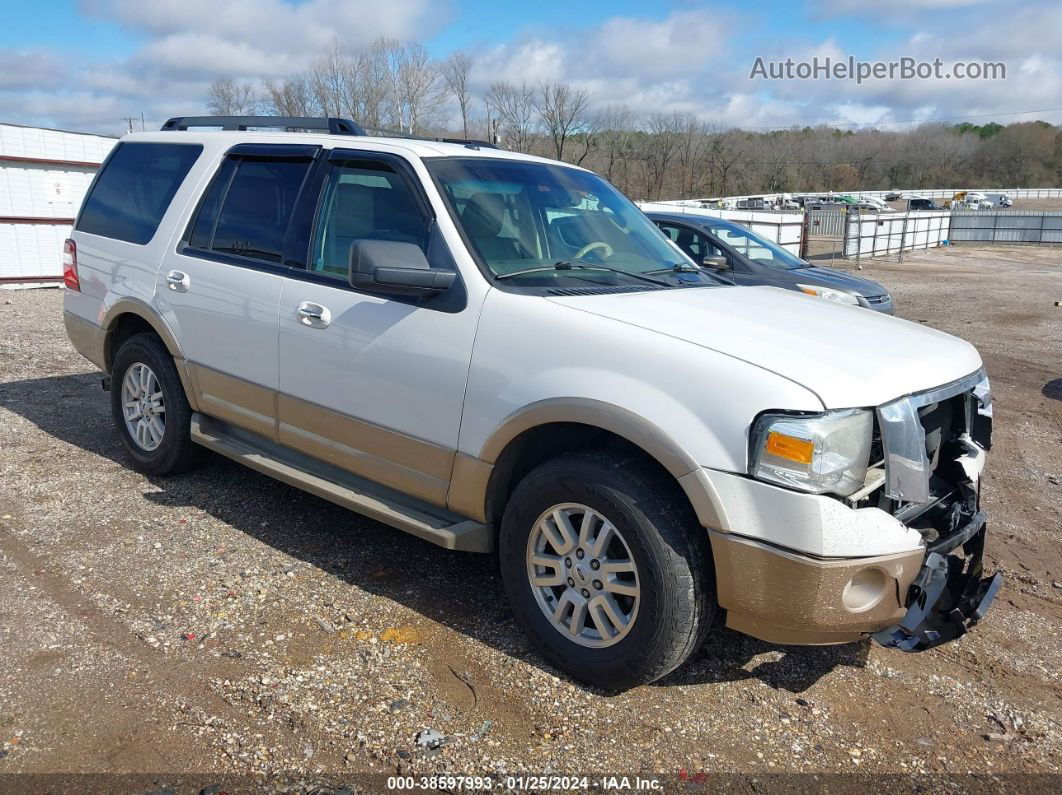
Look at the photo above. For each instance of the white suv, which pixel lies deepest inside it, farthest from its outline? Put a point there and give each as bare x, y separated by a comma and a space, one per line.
496, 351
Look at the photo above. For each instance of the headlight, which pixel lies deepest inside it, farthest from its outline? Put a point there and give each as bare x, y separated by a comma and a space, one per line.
829, 294
820, 453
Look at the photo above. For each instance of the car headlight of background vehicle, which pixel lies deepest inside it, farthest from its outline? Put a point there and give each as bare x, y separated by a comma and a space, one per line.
829, 294
817, 453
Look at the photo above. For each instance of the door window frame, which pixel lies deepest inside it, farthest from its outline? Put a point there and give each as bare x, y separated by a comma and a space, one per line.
305, 220
302, 223
310, 152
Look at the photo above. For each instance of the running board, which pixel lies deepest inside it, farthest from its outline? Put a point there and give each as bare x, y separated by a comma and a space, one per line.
370, 499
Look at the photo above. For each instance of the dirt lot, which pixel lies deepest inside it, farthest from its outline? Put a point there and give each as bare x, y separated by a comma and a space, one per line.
222, 624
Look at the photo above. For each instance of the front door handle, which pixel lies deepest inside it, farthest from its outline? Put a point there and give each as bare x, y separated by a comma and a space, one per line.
314, 315
178, 281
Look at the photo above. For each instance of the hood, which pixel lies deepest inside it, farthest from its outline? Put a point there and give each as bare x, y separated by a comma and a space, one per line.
825, 277
847, 356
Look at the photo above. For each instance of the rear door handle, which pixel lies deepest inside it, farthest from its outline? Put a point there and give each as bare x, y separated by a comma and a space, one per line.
178, 281
314, 315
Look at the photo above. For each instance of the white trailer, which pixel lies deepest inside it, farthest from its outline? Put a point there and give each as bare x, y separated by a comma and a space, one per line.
44, 175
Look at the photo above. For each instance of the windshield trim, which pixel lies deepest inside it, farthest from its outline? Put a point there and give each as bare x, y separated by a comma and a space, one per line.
509, 285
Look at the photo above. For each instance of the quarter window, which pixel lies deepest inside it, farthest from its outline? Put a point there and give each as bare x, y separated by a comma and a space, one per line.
134, 189
363, 201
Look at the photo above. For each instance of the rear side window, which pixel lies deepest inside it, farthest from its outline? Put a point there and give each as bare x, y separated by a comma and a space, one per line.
247, 207
134, 189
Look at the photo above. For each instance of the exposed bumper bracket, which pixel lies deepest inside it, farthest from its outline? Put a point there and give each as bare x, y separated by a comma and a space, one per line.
949, 595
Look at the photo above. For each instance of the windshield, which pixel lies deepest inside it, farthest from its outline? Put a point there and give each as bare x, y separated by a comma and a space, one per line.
756, 248
538, 224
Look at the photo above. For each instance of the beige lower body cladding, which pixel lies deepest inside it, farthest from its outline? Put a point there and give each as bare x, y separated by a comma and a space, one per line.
783, 597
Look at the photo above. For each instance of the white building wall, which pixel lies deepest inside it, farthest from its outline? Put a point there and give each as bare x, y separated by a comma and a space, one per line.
44, 175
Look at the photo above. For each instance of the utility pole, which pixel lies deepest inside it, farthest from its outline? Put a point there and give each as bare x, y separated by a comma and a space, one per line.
129, 122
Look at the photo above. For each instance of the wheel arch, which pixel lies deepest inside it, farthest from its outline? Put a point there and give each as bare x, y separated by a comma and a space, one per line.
130, 316
482, 484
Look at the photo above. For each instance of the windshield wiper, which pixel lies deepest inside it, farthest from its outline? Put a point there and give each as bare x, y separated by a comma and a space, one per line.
567, 265
677, 267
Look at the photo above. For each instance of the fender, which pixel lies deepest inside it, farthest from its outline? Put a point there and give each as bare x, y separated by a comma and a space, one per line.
144, 311
471, 475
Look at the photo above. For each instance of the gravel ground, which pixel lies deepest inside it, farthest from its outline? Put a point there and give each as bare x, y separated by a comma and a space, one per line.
221, 624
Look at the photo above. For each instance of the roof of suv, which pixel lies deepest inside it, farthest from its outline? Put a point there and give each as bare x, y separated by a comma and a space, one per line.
411, 146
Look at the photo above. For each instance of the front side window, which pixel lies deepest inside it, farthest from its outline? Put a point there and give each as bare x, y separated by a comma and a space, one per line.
538, 224
247, 207
693, 244
756, 248
134, 190
363, 201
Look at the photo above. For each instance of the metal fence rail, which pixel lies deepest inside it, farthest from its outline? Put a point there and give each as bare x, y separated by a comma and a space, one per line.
826, 223
1005, 226
879, 234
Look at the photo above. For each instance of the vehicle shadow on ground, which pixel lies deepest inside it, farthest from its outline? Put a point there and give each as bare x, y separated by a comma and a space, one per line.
373, 557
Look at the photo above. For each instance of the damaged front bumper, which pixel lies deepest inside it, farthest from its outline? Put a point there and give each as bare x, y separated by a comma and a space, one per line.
949, 595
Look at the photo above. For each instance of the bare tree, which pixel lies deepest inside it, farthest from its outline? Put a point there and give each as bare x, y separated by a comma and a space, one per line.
562, 111
514, 107
328, 82
369, 85
226, 97
658, 149
420, 87
617, 144
292, 97
456, 70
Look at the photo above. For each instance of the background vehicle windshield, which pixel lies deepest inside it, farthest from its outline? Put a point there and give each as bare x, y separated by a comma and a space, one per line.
521, 216
756, 248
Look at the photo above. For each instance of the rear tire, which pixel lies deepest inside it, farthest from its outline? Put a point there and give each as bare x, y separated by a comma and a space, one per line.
150, 408
659, 582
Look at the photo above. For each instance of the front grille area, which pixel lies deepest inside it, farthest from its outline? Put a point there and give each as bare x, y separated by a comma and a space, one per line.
925, 439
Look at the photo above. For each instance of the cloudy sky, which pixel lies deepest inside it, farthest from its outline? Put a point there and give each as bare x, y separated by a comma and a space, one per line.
86, 64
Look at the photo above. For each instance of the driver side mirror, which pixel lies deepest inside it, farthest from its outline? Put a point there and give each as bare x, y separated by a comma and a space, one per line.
394, 268
718, 263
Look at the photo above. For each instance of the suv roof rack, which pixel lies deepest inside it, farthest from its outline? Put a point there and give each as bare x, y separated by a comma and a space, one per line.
332, 126
380, 132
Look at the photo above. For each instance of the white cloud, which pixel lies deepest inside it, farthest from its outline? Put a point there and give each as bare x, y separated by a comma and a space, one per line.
679, 62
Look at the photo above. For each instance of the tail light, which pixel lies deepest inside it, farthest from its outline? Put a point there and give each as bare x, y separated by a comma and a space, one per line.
70, 265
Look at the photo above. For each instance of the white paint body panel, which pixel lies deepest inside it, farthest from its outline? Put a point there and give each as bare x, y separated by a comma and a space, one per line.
531, 348
379, 361
847, 358
811, 523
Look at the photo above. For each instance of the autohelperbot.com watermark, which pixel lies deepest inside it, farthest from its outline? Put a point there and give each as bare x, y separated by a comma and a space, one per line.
905, 68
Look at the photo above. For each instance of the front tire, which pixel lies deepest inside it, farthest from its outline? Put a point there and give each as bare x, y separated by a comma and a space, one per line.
607, 568
150, 409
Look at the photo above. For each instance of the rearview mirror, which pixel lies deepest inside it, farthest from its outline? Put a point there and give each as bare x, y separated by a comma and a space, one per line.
716, 263
395, 268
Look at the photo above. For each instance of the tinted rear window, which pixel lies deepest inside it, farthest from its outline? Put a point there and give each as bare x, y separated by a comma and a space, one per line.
131, 194
257, 207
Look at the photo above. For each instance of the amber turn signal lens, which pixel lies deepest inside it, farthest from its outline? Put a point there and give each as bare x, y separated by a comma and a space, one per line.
790, 447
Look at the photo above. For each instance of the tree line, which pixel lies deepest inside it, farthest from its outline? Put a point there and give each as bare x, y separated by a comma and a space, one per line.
399, 87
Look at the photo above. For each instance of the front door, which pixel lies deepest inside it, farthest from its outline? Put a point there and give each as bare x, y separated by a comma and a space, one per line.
372, 383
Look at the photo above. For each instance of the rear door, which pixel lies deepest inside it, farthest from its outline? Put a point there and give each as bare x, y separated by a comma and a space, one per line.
373, 383
220, 289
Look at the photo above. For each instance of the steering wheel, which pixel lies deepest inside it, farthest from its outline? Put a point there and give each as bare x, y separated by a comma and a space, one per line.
606, 250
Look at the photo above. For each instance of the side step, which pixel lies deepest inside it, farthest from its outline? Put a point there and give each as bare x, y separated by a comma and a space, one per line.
414, 516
